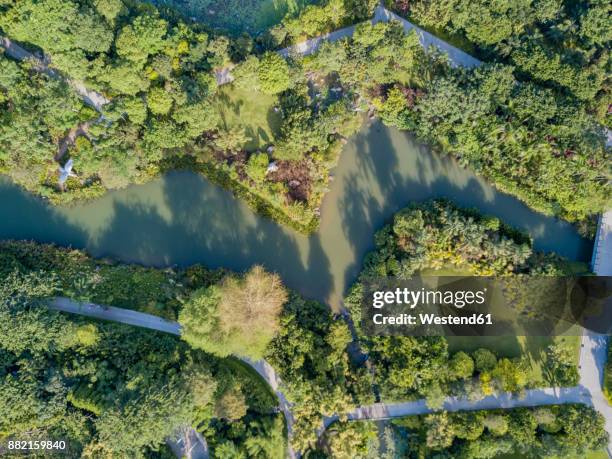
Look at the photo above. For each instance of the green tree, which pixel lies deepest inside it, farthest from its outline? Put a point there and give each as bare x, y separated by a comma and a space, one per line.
232, 140
440, 431
159, 101
142, 38
273, 74
484, 360
238, 317
110, 9
231, 404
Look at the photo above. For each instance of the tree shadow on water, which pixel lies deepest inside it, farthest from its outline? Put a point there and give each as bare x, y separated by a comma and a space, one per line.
210, 226
27, 217
390, 170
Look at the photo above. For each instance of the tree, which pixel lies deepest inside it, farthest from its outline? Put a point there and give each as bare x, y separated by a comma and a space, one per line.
484, 360
159, 101
197, 118
246, 74
199, 319
249, 309
231, 405
142, 38
497, 424
468, 426
110, 9
273, 74
461, 366
143, 422
232, 140
348, 440
440, 433
239, 317
511, 375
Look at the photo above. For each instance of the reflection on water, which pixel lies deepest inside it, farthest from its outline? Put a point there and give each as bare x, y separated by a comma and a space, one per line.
183, 219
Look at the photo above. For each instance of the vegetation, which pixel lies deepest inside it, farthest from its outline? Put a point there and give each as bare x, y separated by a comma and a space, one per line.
563, 45
166, 110
238, 317
108, 390
310, 355
308, 347
544, 356
607, 379
236, 17
541, 432
531, 141
436, 235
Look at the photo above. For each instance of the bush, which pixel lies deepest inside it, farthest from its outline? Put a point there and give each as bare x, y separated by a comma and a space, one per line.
273, 74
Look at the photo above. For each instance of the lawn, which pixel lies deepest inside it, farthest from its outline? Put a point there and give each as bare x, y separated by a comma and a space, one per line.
533, 347
237, 16
250, 109
607, 382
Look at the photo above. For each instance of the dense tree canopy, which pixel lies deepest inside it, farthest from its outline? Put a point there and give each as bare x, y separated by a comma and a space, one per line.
526, 432
531, 128
565, 45
239, 316
438, 235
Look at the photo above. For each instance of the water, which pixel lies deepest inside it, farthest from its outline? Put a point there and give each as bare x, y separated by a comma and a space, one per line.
183, 219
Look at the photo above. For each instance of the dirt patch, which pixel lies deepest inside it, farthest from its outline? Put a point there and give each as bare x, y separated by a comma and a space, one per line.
296, 176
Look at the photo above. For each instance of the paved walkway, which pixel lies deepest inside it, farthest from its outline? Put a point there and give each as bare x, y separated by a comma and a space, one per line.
188, 443
152, 322
601, 263
91, 98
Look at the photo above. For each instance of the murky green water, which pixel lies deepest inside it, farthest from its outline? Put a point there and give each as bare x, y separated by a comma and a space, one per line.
183, 219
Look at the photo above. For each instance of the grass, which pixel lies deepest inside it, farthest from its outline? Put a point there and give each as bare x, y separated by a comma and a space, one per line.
607, 381
249, 109
532, 347
237, 16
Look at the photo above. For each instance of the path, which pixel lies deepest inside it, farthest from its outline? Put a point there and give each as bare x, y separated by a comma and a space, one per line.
534, 397
601, 263
188, 443
91, 98
152, 322
589, 392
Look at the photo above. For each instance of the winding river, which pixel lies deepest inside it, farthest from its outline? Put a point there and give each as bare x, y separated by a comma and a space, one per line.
183, 219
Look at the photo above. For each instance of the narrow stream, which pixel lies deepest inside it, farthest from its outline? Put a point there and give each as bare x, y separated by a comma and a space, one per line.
183, 219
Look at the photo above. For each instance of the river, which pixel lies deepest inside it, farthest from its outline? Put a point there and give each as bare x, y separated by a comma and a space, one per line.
183, 219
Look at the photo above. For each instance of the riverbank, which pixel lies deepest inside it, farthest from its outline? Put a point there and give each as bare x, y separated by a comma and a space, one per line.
182, 219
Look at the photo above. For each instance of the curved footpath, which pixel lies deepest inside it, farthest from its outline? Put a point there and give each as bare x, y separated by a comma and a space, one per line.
594, 346
92, 98
591, 368
188, 442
